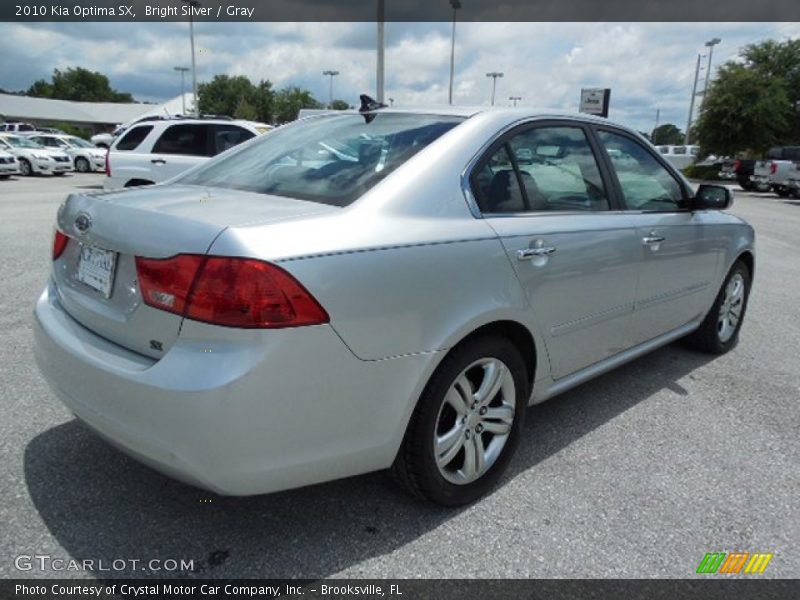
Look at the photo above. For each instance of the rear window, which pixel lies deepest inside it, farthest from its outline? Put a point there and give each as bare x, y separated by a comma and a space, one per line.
132, 139
333, 159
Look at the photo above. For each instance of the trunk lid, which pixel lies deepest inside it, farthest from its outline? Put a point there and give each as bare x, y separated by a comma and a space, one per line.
96, 274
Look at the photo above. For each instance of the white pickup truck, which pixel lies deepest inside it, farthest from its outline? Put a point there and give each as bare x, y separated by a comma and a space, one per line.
780, 171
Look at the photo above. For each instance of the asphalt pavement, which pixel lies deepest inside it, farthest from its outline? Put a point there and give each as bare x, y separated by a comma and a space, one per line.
638, 473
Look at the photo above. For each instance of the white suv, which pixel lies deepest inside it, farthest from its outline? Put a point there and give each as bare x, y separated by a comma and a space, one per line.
155, 151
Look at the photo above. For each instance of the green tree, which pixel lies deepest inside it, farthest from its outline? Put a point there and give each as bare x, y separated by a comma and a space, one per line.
668, 135
753, 103
78, 84
339, 105
289, 101
236, 96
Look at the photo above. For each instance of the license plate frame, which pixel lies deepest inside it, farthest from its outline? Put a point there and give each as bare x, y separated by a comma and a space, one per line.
97, 268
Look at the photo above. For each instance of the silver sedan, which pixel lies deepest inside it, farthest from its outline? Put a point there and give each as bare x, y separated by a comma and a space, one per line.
380, 289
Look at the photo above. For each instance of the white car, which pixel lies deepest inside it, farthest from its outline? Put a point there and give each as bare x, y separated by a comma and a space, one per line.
155, 151
34, 158
85, 156
17, 127
680, 156
104, 140
8, 165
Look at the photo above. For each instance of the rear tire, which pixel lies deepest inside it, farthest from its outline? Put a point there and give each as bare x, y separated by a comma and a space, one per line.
719, 331
783, 192
81, 165
466, 424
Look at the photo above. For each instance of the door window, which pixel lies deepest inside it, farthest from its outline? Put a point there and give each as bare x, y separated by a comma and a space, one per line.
189, 140
134, 137
646, 184
541, 169
228, 136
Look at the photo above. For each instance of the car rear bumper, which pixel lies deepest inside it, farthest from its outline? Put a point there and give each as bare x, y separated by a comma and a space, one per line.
237, 412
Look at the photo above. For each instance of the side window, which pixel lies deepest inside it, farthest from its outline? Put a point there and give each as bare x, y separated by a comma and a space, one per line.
134, 137
228, 136
190, 140
26, 127
646, 184
555, 167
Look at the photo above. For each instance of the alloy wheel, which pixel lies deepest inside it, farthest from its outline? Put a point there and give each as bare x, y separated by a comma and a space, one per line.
730, 311
474, 421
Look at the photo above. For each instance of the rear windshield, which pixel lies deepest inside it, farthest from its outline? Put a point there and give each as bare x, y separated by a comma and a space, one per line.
333, 159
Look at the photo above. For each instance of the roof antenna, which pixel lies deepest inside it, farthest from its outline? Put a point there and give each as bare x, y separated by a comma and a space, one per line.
368, 105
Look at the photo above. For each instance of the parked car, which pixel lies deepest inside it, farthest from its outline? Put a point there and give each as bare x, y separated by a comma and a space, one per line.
680, 156
105, 139
777, 169
17, 128
155, 151
8, 164
260, 323
85, 156
741, 170
33, 158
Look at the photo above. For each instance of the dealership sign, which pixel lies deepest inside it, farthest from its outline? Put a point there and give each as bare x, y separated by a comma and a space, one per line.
594, 101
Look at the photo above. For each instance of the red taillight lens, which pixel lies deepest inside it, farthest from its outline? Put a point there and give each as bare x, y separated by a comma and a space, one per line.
737, 164
59, 243
235, 292
108, 164
773, 168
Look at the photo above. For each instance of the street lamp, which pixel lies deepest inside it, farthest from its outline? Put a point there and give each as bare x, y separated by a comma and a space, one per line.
687, 135
456, 5
331, 74
514, 99
193, 4
710, 45
381, 34
183, 95
494, 75
391, 101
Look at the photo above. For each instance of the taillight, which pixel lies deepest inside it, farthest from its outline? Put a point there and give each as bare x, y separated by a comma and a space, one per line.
108, 163
235, 292
59, 243
773, 168
737, 164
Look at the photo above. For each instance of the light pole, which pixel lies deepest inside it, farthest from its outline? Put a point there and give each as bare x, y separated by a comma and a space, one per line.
456, 5
391, 101
687, 135
655, 127
331, 74
183, 95
494, 75
379, 74
514, 99
710, 45
193, 4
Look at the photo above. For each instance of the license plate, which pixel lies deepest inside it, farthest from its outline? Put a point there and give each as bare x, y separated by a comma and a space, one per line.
96, 268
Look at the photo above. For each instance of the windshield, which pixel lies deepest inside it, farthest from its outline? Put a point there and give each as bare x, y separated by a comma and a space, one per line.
79, 143
332, 159
19, 142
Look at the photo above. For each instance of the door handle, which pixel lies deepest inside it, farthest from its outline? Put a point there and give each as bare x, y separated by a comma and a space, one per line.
158, 161
529, 253
652, 239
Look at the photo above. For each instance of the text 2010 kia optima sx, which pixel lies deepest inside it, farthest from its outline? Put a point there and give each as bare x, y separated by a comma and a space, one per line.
377, 289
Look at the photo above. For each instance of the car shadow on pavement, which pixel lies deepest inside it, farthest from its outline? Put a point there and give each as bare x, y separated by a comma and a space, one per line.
101, 505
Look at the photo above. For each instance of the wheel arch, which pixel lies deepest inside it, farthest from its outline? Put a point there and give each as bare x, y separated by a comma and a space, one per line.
750, 262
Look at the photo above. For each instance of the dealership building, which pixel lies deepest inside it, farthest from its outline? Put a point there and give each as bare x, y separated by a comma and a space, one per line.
92, 117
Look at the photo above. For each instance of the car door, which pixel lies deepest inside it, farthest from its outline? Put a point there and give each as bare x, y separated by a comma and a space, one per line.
576, 257
679, 248
181, 147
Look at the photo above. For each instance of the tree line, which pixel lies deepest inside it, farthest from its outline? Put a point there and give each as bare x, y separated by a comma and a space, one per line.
234, 96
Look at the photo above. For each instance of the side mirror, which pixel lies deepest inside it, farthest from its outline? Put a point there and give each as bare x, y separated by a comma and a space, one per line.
712, 197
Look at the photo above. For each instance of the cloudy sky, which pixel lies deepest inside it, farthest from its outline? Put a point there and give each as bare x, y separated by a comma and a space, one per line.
647, 65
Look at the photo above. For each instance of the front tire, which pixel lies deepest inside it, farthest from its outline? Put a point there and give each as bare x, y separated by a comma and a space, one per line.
466, 425
82, 165
25, 167
719, 332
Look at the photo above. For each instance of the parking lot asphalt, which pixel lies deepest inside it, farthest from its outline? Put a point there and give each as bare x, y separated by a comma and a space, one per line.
638, 473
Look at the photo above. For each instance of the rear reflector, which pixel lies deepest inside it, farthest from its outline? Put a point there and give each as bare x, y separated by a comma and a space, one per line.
108, 163
59, 243
773, 168
235, 292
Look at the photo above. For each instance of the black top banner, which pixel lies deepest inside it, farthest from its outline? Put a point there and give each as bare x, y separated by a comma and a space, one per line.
400, 10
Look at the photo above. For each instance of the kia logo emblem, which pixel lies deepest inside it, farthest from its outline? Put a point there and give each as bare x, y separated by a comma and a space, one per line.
83, 222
